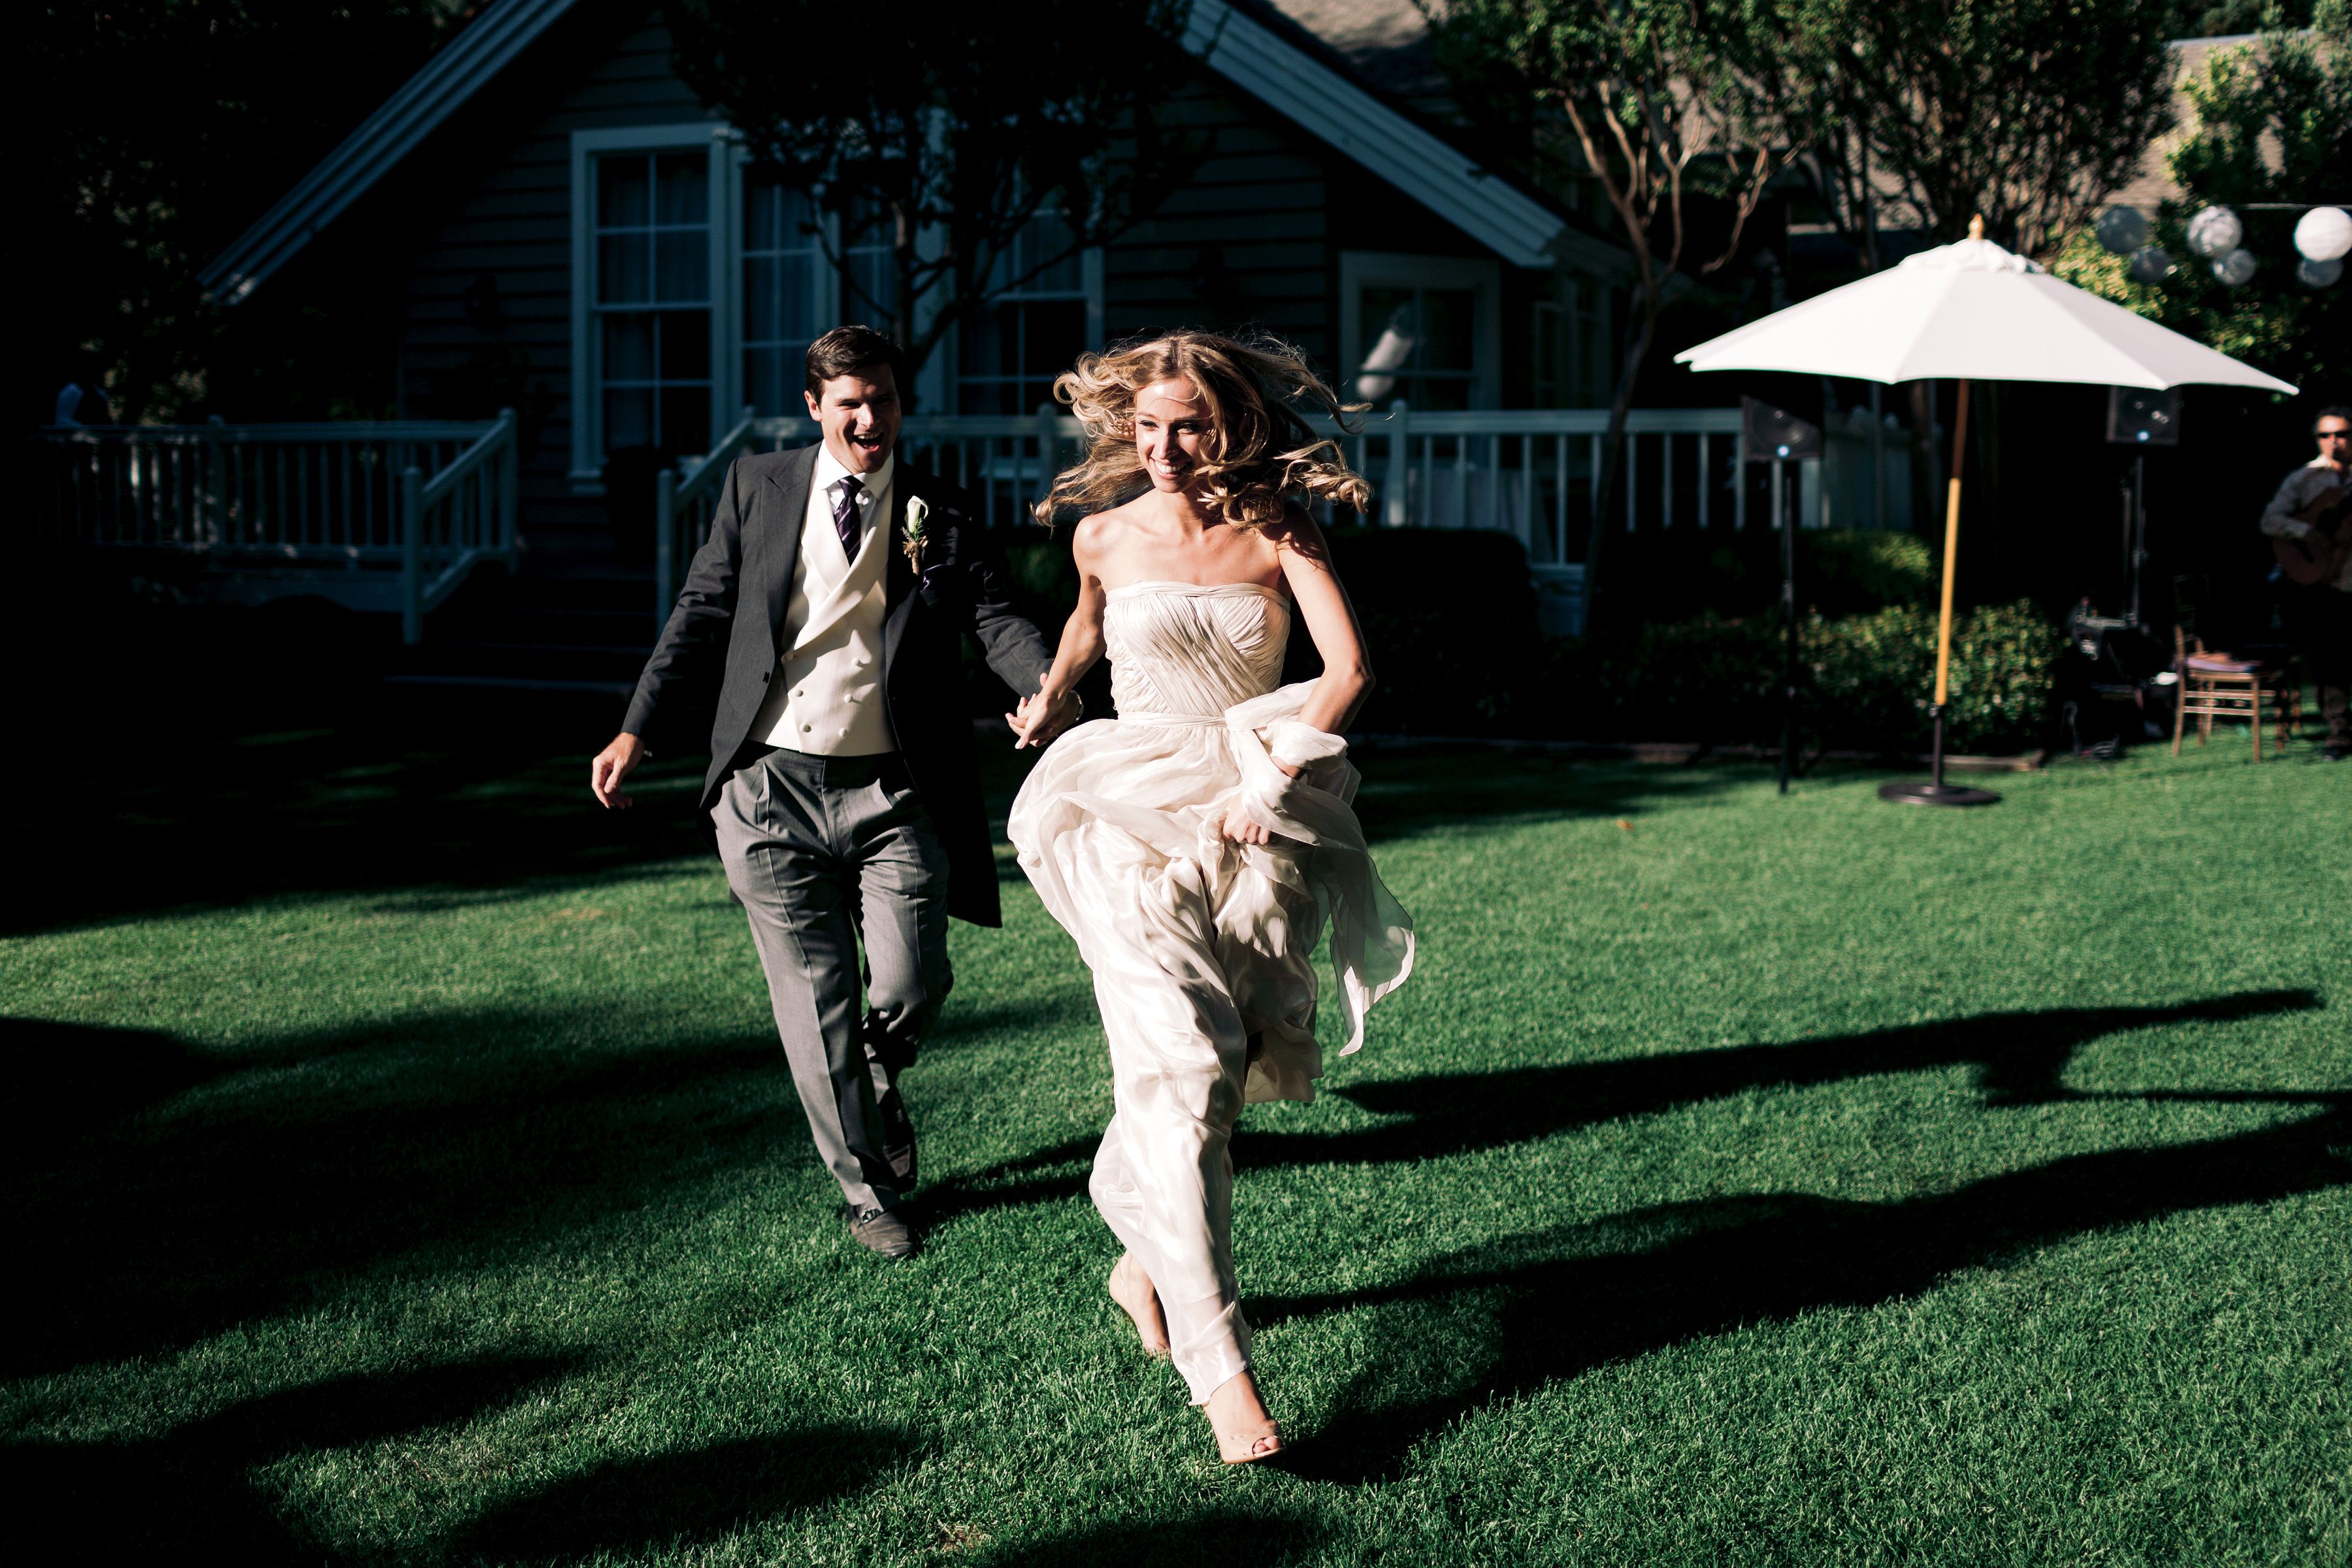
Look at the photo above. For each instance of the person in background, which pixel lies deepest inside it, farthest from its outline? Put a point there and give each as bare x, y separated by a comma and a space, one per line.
82, 400
2319, 615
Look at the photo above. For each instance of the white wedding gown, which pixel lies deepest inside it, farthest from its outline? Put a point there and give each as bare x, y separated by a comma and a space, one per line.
1201, 947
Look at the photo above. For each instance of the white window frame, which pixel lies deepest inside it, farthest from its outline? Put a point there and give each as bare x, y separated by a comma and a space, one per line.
587, 470
943, 385
1360, 269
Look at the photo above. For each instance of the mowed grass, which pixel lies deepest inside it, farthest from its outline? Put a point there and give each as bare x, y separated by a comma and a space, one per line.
1738, 1180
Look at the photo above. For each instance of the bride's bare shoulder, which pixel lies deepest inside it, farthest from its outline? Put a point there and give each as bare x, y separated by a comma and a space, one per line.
1296, 531
1099, 531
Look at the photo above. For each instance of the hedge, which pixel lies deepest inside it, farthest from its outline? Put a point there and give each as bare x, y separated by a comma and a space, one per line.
1450, 619
1863, 681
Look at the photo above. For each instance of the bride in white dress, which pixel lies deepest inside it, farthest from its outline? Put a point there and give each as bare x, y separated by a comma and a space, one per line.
1197, 845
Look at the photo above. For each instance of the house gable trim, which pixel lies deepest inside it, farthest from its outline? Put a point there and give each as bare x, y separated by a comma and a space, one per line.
468, 63
1245, 52
1449, 183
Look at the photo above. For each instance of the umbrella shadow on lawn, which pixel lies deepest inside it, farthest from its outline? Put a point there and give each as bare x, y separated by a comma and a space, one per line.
1543, 1308
2020, 1056
685, 1497
188, 1494
151, 1223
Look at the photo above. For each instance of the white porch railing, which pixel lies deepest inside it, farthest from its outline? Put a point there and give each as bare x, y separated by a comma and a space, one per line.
1531, 473
374, 515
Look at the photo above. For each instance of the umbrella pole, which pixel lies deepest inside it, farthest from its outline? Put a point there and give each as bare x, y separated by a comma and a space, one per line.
1951, 565
1936, 791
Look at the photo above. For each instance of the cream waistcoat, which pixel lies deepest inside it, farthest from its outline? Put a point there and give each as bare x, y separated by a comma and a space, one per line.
826, 696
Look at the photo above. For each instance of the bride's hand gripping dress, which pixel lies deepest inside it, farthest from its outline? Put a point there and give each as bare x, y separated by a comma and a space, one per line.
1201, 947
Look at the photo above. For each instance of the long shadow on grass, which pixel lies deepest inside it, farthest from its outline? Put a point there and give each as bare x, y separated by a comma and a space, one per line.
1226, 1537
1409, 792
2020, 1058
684, 1497
484, 793
146, 1225
455, 790
1502, 1320
188, 1495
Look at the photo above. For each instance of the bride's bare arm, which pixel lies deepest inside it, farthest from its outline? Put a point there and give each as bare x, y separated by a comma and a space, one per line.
1081, 645
1346, 677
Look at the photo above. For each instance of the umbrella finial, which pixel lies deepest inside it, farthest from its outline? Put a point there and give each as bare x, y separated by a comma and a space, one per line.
1976, 226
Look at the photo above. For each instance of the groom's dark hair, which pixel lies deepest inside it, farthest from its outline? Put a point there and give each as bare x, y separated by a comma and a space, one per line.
846, 349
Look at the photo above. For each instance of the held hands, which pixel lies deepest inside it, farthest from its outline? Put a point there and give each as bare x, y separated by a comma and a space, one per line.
1042, 717
614, 764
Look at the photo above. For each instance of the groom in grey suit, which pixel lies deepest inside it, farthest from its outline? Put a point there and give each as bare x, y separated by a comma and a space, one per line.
826, 615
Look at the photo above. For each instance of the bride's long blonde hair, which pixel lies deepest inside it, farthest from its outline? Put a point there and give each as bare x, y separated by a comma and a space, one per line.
1259, 452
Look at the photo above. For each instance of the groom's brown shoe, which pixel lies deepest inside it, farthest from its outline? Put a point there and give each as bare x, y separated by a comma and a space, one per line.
884, 1232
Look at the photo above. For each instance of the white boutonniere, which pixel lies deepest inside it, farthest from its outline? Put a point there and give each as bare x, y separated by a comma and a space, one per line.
918, 511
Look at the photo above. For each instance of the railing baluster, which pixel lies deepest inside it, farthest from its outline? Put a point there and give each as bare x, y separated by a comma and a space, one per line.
1631, 476
1666, 479
1706, 473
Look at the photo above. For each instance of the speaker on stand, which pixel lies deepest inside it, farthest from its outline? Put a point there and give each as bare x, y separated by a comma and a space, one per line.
2139, 418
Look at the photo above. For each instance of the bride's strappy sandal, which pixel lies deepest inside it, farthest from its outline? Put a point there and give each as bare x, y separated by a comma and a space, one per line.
1265, 1445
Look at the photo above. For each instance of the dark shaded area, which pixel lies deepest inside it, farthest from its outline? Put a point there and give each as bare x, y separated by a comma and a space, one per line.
442, 1136
186, 1497
58, 1081
317, 778
686, 1498
2019, 1057
324, 782
1512, 1317
151, 1233
1222, 1537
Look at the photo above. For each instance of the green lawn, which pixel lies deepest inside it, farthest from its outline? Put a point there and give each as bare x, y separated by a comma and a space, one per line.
406, 1173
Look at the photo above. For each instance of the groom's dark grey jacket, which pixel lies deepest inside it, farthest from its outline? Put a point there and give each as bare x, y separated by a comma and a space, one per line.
726, 630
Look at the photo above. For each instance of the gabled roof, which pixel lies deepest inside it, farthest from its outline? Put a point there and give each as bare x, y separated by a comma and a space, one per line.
464, 67
1253, 57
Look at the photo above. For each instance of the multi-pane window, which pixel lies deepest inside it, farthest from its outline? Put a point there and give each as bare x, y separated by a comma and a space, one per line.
1009, 353
1572, 348
653, 300
793, 292
870, 289
1420, 345
787, 289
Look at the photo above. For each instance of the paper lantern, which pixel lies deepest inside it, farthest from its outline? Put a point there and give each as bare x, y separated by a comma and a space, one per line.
2215, 232
2123, 230
2319, 273
2151, 264
2324, 233
2235, 269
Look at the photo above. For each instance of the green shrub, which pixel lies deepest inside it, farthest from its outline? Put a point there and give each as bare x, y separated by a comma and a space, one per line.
1850, 572
1871, 678
1863, 681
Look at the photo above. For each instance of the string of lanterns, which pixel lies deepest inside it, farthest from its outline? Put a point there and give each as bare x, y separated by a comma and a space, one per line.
2322, 236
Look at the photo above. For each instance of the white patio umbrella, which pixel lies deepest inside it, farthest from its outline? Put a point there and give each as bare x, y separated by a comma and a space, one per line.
1973, 311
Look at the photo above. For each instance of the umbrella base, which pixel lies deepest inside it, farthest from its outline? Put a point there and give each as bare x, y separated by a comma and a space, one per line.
1918, 792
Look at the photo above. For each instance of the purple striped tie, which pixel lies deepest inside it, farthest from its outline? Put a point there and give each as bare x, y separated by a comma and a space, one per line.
845, 515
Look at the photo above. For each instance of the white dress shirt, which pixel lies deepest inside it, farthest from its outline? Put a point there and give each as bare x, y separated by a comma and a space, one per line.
826, 696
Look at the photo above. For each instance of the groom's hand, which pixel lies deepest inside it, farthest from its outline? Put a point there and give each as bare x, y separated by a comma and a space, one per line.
614, 764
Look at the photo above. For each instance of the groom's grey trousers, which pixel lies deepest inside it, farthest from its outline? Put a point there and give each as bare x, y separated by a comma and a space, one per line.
821, 851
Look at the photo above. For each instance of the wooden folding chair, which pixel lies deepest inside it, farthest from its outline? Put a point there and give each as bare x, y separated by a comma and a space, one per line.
2214, 685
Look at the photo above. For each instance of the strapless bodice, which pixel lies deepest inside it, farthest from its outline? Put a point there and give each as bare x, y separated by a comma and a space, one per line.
1179, 650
